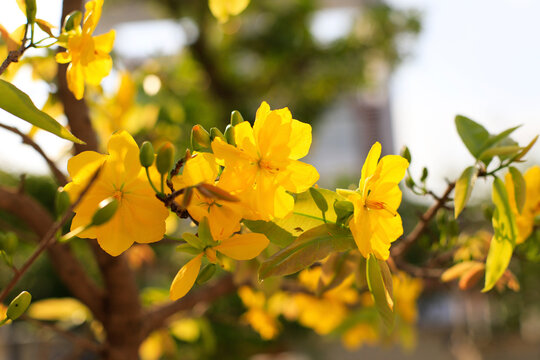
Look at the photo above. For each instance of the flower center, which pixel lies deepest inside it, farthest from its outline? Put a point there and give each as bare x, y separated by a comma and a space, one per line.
118, 195
267, 165
379, 205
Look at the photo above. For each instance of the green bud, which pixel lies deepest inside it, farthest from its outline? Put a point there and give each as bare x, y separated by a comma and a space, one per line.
343, 207
61, 202
409, 182
73, 20
165, 158
31, 10
236, 118
18, 306
146, 154
200, 138
215, 132
406, 153
9, 242
206, 273
229, 135
319, 199
107, 209
425, 174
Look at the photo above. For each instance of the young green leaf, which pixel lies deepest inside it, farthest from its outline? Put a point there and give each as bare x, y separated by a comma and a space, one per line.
473, 135
504, 239
313, 245
520, 188
273, 232
379, 290
463, 190
320, 201
16, 102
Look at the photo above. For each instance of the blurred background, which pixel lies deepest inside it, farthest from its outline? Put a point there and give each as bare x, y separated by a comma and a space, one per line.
396, 72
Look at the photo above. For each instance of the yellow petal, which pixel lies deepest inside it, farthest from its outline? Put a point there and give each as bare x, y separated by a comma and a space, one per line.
92, 15
245, 139
201, 168
185, 278
386, 231
370, 164
300, 176
360, 226
260, 118
124, 150
75, 80
104, 42
243, 246
300, 140
63, 58
228, 154
274, 135
393, 168
97, 69
83, 165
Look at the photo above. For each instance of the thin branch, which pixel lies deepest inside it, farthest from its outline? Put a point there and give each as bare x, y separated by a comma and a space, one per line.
399, 249
60, 177
47, 240
156, 318
14, 55
79, 341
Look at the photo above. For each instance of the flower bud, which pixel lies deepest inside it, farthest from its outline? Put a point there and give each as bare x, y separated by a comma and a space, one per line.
229, 135
409, 182
319, 199
73, 20
146, 154
405, 153
165, 158
215, 132
425, 174
236, 118
200, 138
206, 273
344, 209
31, 10
18, 306
61, 202
107, 209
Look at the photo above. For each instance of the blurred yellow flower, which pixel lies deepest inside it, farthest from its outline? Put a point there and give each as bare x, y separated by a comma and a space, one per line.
88, 56
260, 316
376, 223
406, 291
360, 334
264, 165
531, 208
140, 217
222, 9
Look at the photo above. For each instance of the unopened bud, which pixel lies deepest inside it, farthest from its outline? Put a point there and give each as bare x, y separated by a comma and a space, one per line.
73, 20
107, 209
18, 306
236, 118
425, 174
215, 132
319, 199
206, 273
229, 135
200, 138
165, 158
31, 10
406, 153
409, 182
61, 202
146, 154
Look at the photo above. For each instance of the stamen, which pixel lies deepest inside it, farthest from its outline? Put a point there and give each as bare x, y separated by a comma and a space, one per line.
379, 205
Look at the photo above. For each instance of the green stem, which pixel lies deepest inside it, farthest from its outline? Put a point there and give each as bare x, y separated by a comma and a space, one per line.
151, 183
162, 183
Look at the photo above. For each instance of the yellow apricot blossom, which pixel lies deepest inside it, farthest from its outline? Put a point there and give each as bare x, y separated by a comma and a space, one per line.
222, 9
264, 165
140, 217
260, 315
88, 55
531, 208
376, 222
406, 291
236, 246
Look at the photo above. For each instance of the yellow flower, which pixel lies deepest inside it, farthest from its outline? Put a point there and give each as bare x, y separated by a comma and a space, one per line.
222, 9
260, 315
140, 217
264, 164
237, 246
223, 216
89, 56
406, 291
531, 208
360, 334
376, 223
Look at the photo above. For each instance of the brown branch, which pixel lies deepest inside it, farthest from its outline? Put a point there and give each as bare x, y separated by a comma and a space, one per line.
156, 318
399, 249
47, 240
14, 55
78, 341
60, 177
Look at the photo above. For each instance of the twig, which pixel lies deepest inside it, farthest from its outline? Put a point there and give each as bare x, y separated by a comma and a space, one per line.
47, 240
14, 55
422, 225
60, 177
77, 340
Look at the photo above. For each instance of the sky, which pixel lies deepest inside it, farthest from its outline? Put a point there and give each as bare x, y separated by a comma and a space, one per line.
476, 58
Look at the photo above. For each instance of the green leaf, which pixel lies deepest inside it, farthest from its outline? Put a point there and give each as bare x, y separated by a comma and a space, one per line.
499, 151
504, 239
306, 213
473, 135
313, 245
520, 187
193, 240
463, 190
379, 290
16, 102
273, 232
526, 149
